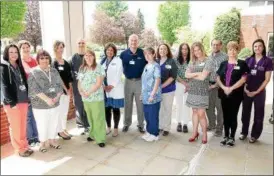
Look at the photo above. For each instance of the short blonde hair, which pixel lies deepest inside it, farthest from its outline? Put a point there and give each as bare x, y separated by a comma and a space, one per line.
23, 42
201, 47
233, 45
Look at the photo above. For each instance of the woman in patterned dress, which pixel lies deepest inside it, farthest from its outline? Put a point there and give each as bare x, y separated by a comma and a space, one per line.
90, 86
197, 98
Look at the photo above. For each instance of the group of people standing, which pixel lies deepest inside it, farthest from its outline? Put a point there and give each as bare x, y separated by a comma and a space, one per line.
37, 91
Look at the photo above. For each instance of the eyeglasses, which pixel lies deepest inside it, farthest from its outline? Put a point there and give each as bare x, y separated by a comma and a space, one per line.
44, 57
81, 43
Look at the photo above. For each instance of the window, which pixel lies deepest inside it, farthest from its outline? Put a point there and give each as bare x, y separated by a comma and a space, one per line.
256, 3
270, 48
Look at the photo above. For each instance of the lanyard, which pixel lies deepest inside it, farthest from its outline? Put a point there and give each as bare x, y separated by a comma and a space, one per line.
49, 77
17, 70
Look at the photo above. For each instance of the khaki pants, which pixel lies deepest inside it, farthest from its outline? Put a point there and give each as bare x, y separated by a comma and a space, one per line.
166, 111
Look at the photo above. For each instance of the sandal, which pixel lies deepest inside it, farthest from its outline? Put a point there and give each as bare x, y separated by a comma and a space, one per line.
55, 146
43, 150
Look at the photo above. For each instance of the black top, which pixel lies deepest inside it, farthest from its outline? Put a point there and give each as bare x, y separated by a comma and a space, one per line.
64, 71
170, 70
239, 70
9, 86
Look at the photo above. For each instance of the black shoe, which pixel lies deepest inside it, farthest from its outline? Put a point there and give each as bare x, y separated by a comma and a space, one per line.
89, 139
252, 140
101, 145
165, 133
271, 119
185, 129
224, 141
242, 137
141, 129
125, 129
65, 138
230, 142
179, 127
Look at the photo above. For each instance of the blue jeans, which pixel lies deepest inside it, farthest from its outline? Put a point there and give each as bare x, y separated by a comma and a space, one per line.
32, 133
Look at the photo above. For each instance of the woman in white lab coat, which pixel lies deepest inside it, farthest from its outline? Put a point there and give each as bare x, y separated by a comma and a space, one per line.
113, 87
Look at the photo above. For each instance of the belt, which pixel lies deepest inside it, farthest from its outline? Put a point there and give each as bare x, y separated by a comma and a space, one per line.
212, 82
134, 79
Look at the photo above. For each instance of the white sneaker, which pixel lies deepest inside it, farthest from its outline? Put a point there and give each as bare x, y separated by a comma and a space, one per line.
152, 138
145, 136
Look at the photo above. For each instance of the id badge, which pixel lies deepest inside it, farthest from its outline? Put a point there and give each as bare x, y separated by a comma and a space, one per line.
236, 67
132, 62
60, 68
202, 64
168, 66
253, 72
22, 87
52, 89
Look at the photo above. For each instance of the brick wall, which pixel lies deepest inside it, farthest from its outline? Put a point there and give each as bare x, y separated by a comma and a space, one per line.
5, 137
249, 34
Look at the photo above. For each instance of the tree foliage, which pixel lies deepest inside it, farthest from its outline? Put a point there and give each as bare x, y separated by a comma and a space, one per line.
141, 19
172, 15
12, 18
188, 35
227, 27
244, 53
104, 29
130, 24
148, 39
32, 31
112, 8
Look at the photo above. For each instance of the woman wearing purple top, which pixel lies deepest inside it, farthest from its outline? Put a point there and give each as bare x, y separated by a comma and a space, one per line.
259, 77
231, 78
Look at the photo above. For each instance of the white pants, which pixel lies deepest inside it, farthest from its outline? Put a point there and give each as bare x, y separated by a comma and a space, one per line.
182, 111
64, 107
166, 111
47, 122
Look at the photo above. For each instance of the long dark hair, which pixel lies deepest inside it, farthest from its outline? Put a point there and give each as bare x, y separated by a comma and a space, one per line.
180, 58
264, 50
18, 61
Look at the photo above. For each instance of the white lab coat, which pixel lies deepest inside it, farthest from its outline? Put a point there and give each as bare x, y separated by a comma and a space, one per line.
114, 78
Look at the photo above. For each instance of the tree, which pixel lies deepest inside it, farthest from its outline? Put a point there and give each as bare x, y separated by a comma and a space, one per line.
244, 53
188, 35
141, 19
227, 27
130, 25
12, 18
172, 15
104, 29
112, 8
148, 39
32, 31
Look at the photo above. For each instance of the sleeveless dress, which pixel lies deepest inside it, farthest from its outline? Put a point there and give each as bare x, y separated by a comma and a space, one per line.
198, 91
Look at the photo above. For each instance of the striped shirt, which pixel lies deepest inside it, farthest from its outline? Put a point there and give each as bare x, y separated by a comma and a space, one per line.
217, 59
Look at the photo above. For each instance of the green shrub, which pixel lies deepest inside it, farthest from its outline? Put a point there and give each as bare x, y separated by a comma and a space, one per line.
244, 53
227, 27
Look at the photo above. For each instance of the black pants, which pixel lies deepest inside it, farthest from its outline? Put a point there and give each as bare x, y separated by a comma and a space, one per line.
116, 116
81, 116
230, 107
